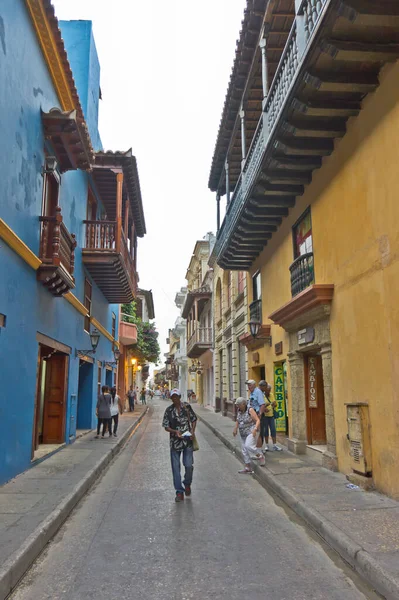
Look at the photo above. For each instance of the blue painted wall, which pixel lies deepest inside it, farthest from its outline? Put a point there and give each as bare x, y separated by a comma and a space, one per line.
82, 54
25, 89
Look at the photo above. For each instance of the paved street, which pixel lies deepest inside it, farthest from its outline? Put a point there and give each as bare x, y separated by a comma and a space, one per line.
128, 539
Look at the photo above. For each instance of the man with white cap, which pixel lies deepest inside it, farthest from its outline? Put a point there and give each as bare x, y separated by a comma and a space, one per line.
180, 421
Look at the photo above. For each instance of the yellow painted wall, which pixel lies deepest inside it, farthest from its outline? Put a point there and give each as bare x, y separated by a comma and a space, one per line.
354, 201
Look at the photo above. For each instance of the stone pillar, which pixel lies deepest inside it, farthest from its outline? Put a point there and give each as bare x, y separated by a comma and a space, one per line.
265, 79
330, 457
298, 440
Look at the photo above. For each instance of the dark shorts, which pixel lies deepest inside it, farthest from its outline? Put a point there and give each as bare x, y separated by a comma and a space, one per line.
267, 424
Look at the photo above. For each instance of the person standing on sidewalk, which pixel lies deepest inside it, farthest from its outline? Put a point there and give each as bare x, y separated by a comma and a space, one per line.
248, 424
180, 421
131, 396
116, 409
103, 412
268, 422
257, 402
142, 396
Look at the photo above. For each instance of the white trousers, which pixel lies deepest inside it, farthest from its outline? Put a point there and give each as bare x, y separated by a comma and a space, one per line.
249, 447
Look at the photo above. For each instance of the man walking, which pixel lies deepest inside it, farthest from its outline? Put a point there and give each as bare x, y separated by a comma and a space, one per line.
180, 421
103, 412
268, 422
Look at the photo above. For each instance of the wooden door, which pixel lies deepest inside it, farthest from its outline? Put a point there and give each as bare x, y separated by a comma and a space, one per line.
55, 399
315, 409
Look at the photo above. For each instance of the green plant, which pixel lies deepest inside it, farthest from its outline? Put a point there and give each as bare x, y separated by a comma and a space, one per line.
147, 349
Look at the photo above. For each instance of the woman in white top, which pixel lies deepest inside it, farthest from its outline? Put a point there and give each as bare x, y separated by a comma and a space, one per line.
116, 408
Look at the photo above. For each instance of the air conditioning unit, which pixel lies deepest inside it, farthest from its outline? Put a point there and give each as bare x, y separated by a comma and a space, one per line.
359, 437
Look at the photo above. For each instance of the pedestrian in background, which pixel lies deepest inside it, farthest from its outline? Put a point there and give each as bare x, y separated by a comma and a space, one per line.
131, 396
142, 396
180, 421
103, 412
268, 422
116, 409
257, 402
248, 424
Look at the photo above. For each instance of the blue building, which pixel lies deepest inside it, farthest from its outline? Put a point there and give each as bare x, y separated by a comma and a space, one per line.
70, 216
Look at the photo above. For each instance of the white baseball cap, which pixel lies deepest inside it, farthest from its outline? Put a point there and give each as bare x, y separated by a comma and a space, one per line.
176, 392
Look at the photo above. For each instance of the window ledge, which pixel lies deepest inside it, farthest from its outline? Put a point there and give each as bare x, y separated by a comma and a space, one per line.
316, 298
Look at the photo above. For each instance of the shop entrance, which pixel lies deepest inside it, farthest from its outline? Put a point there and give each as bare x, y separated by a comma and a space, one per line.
50, 408
85, 408
315, 409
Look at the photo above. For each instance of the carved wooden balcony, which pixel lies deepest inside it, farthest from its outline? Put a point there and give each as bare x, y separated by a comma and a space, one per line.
330, 62
200, 341
57, 253
108, 259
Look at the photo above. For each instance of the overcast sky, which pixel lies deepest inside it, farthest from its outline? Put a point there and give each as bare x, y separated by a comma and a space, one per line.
165, 68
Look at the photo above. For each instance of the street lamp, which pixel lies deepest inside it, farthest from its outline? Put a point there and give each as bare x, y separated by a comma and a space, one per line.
94, 339
254, 327
117, 355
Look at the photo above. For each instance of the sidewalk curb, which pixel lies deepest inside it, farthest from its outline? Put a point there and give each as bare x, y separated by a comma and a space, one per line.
19, 562
350, 551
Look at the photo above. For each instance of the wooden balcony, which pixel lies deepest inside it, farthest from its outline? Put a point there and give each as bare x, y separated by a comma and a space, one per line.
331, 61
200, 341
57, 253
108, 259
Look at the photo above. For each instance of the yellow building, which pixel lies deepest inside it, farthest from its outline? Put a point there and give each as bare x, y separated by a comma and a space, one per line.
313, 217
197, 311
230, 309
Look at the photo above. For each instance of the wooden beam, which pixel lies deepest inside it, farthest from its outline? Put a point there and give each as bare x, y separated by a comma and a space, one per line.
299, 163
327, 108
315, 128
272, 201
286, 176
276, 189
305, 147
362, 83
355, 51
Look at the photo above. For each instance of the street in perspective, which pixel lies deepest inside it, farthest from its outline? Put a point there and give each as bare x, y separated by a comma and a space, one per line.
199, 333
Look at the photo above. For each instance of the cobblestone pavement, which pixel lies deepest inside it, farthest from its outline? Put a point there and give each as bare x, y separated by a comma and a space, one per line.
128, 538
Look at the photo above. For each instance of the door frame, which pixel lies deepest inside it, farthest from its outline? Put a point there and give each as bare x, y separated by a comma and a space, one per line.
320, 393
65, 396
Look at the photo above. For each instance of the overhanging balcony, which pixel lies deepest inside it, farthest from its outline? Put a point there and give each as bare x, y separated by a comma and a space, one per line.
200, 341
57, 253
127, 333
108, 259
331, 61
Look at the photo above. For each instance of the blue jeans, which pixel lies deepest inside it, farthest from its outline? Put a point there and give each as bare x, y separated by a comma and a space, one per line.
188, 464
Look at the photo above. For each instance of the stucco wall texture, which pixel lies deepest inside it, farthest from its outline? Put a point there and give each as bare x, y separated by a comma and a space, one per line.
355, 215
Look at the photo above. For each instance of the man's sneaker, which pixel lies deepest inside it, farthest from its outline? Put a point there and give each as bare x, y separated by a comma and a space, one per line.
179, 497
115, 435
96, 437
245, 471
187, 490
277, 448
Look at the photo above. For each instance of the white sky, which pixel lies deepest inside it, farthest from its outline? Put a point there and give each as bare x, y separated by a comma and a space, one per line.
165, 67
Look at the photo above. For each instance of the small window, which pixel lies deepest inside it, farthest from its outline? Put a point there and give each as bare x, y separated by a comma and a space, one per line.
113, 325
88, 290
302, 232
256, 287
241, 282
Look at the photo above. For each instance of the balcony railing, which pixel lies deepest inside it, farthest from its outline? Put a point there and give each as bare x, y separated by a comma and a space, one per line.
57, 253
200, 341
302, 273
255, 311
319, 83
109, 260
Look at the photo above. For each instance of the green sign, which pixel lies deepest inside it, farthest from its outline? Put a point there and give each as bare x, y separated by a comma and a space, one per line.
279, 395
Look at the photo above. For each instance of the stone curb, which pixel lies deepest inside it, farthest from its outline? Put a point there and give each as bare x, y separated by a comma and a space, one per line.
19, 562
367, 566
